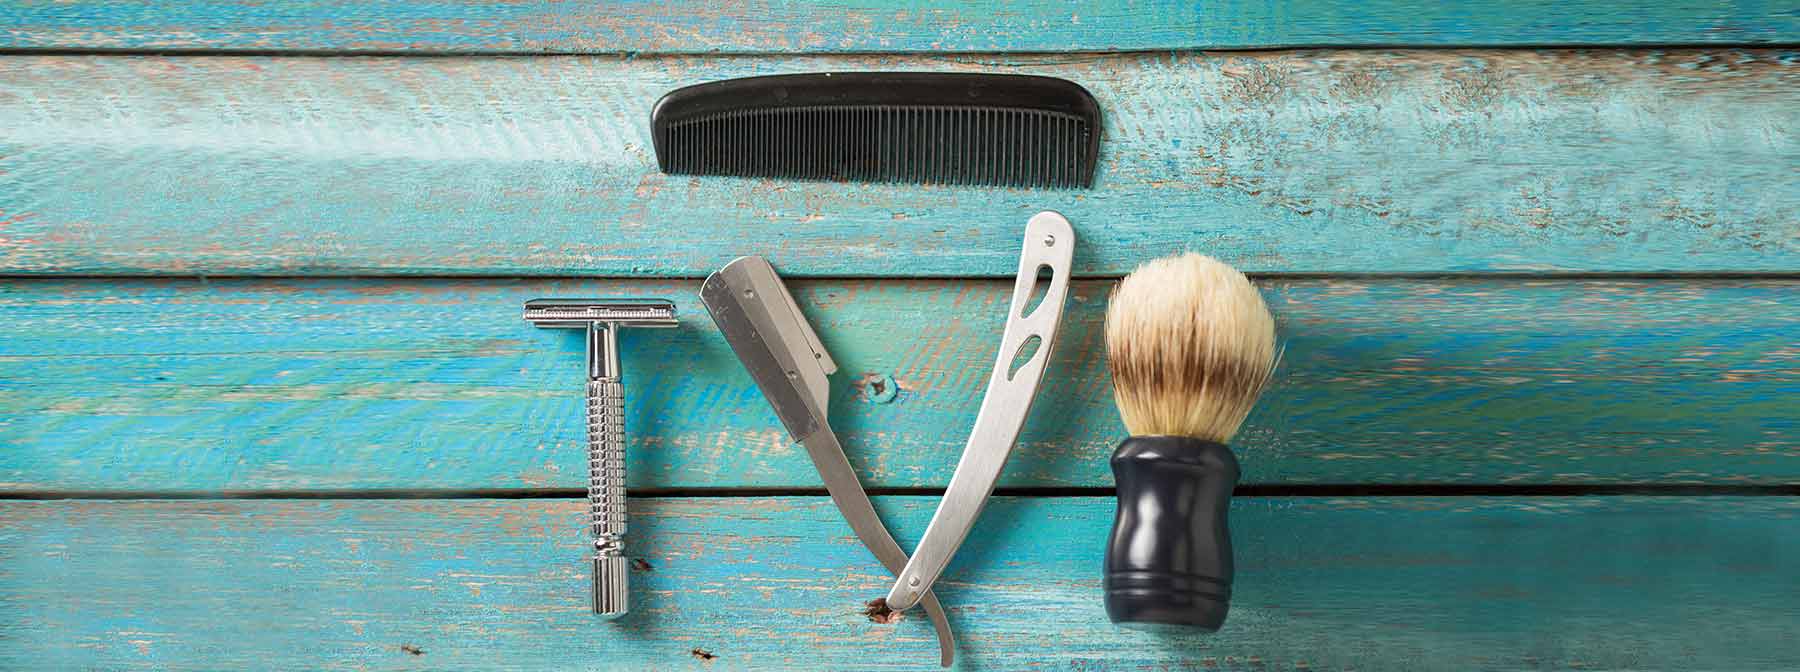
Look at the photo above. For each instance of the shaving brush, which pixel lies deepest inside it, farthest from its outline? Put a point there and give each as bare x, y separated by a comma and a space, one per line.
1190, 345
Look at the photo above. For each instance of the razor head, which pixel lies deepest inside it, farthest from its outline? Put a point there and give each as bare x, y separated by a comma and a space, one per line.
579, 313
900, 127
764, 326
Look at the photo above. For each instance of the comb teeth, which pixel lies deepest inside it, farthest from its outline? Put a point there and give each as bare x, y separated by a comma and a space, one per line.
888, 143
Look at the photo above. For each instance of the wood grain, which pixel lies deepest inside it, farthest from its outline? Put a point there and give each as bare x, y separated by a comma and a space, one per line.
786, 26
1297, 161
779, 584
438, 384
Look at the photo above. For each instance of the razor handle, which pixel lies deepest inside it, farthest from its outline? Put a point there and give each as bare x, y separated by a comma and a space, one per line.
601, 320
606, 494
1168, 560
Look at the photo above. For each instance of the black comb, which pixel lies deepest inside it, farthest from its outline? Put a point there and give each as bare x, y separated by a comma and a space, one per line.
923, 127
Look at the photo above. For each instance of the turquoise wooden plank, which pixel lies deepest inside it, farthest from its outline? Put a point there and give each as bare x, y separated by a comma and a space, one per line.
539, 26
779, 584
438, 384
1384, 162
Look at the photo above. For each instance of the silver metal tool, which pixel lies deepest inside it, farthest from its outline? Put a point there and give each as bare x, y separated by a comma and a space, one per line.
1049, 244
603, 318
764, 326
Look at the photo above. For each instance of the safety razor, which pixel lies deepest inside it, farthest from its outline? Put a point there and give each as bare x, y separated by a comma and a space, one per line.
603, 318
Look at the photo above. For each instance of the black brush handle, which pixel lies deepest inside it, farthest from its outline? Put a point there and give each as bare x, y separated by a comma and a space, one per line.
1169, 558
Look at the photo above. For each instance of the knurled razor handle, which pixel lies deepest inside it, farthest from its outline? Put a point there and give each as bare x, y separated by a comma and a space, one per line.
606, 495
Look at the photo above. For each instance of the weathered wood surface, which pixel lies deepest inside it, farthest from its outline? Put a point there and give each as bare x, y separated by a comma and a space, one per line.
1361, 161
785, 26
779, 583
438, 384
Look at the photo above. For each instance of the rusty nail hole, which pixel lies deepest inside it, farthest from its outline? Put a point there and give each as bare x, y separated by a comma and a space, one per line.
878, 612
413, 650
702, 654
641, 565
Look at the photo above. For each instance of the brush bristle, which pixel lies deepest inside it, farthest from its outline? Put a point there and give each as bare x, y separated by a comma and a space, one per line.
1190, 345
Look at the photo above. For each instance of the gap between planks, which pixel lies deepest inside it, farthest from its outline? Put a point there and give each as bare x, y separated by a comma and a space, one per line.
1503, 276
1242, 492
397, 54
